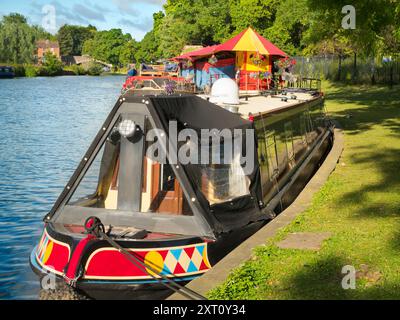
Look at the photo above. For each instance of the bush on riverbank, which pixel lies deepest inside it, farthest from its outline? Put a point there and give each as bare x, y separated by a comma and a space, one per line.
75, 70
19, 70
31, 71
95, 69
52, 66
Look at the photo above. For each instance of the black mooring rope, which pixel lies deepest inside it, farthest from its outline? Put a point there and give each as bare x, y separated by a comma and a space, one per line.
97, 229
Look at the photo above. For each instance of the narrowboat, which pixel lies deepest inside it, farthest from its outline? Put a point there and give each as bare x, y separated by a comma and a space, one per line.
157, 183
6, 72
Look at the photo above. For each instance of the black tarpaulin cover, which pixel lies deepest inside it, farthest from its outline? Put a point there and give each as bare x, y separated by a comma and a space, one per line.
196, 113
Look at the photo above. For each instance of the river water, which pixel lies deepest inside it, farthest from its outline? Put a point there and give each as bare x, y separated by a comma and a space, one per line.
46, 126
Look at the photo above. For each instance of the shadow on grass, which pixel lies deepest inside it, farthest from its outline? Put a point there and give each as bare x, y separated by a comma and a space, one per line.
369, 107
322, 280
377, 106
387, 163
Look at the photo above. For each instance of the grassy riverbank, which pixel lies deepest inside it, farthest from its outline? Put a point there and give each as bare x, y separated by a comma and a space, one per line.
359, 206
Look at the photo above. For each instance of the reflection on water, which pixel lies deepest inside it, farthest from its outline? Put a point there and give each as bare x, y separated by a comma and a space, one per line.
46, 126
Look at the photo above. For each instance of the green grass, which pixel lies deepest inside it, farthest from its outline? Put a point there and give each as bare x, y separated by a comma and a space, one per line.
359, 205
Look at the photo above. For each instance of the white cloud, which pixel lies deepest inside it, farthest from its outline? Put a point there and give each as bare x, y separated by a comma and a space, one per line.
129, 7
133, 16
144, 24
88, 13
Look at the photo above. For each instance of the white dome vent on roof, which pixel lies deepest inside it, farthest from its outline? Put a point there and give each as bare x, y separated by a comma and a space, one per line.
225, 91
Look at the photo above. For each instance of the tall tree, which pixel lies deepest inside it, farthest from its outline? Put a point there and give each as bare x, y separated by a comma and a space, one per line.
107, 45
292, 21
372, 19
173, 36
149, 49
127, 54
259, 14
397, 16
18, 39
52, 65
200, 22
72, 38
66, 40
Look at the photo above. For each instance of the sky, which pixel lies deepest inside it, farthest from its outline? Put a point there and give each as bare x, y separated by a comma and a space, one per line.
132, 16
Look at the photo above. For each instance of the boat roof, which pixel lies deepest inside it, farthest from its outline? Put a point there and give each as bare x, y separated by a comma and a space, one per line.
262, 104
254, 103
197, 113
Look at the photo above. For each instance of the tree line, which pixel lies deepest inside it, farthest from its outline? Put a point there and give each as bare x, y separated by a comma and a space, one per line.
299, 27
18, 42
18, 39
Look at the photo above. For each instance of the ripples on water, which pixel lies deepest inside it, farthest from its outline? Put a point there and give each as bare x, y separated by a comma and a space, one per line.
46, 126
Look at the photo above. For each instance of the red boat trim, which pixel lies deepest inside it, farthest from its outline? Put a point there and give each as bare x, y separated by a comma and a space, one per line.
73, 269
174, 262
51, 254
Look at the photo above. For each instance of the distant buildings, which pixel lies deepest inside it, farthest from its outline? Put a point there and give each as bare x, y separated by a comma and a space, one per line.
44, 46
83, 61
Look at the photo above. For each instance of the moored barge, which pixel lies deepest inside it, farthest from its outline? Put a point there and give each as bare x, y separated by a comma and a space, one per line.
6, 72
179, 218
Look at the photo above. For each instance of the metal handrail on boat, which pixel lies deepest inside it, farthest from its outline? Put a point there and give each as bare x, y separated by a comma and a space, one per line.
297, 82
308, 83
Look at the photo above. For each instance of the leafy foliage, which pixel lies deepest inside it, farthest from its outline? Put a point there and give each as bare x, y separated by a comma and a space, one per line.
253, 13
373, 18
107, 46
127, 54
52, 66
292, 21
31, 71
147, 51
149, 48
17, 39
95, 69
204, 22
71, 38
76, 70
296, 26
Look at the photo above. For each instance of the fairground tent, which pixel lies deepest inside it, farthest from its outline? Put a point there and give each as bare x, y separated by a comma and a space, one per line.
248, 57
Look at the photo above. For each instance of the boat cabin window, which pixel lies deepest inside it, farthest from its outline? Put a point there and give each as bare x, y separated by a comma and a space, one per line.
222, 183
123, 178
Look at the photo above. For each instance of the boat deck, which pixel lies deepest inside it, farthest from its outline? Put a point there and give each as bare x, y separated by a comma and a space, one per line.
262, 104
251, 104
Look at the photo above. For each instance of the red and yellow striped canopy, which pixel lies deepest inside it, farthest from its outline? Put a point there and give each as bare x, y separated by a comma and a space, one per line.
250, 41
246, 41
